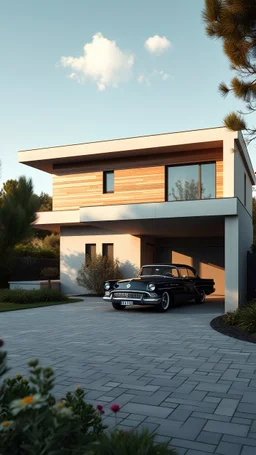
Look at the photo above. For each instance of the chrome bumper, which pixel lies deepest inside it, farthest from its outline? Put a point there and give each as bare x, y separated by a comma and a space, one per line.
142, 301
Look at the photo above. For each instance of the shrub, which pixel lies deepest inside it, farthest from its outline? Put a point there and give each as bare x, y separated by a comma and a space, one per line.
50, 273
33, 296
247, 318
36, 251
231, 317
95, 271
33, 423
52, 242
120, 442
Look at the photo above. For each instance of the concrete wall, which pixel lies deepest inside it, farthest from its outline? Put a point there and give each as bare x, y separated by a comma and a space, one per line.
238, 240
205, 255
72, 253
240, 170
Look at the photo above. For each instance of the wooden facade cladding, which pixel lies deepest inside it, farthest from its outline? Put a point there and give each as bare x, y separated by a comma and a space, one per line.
81, 184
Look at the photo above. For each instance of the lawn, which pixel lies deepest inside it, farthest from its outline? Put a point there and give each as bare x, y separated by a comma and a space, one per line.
24, 306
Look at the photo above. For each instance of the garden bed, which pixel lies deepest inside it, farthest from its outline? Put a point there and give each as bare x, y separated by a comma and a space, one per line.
233, 331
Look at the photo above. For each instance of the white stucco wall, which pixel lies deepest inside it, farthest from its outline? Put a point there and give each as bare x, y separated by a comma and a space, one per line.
240, 170
238, 240
72, 253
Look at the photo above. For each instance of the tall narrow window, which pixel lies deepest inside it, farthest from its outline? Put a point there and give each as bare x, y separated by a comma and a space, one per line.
108, 182
90, 250
108, 250
245, 189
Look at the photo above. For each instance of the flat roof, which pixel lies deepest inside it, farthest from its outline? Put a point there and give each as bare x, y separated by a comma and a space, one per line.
45, 158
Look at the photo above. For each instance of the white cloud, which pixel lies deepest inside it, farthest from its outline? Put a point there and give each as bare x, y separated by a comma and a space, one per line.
143, 80
164, 76
157, 44
102, 62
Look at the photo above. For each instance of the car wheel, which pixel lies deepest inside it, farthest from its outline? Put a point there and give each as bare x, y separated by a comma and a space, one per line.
201, 297
117, 306
165, 302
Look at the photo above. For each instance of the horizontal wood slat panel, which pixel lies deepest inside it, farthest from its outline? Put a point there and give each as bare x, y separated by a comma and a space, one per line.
131, 186
82, 184
219, 179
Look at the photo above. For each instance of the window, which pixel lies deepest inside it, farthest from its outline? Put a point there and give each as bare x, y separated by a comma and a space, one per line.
108, 182
245, 190
159, 270
191, 182
108, 250
90, 250
191, 273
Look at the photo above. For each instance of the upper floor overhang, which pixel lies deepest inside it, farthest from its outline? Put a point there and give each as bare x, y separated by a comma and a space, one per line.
46, 158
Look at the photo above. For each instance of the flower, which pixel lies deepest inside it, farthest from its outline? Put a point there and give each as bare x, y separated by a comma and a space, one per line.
31, 401
1, 343
102, 412
18, 376
6, 425
99, 407
78, 388
115, 408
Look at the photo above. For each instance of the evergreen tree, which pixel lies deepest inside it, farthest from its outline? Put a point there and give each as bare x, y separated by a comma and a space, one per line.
234, 22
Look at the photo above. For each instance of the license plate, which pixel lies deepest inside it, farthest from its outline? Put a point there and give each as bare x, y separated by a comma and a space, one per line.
126, 303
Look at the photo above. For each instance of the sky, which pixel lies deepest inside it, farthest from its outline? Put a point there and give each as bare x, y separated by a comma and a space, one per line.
85, 70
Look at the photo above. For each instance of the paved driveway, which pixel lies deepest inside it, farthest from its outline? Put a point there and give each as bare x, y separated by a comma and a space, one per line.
170, 372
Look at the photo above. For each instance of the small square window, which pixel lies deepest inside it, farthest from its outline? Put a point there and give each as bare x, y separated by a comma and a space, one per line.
108, 182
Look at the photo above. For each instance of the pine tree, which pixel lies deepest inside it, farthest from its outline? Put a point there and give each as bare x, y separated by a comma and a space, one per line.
234, 22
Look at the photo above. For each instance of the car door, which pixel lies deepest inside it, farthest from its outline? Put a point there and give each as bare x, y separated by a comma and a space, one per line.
188, 280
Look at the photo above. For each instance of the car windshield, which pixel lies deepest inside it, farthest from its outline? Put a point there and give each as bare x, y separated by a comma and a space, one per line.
159, 270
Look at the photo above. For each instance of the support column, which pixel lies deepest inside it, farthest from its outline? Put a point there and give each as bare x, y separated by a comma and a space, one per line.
231, 263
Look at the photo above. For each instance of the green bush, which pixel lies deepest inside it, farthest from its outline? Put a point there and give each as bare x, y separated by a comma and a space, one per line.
231, 317
36, 251
247, 318
95, 271
33, 422
33, 296
120, 442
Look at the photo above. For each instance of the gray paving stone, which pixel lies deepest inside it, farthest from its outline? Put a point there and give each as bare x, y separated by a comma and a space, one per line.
227, 407
199, 446
196, 371
248, 450
209, 438
143, 409
227, 448
212, 387
227, 428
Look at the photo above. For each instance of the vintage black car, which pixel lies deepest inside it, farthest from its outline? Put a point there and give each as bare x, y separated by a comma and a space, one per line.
163, 285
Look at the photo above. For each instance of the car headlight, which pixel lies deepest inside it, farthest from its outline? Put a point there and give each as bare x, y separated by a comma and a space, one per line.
107, 286
151, 286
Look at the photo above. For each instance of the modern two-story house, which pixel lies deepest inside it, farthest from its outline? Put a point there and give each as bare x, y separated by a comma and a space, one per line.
182, 197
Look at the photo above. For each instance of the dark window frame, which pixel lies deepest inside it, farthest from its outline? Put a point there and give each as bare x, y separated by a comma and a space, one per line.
199, 165
105, 189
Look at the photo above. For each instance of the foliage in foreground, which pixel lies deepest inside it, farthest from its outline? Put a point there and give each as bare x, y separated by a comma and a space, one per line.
31, 296
95, 271
244, 317
33, 422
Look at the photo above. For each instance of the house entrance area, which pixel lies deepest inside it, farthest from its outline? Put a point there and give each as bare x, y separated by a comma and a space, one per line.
205, 254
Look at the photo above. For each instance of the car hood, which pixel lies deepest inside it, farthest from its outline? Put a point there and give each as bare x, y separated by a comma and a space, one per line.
138, 283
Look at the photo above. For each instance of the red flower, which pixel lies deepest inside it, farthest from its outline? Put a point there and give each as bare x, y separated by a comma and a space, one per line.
99, 407
102, 411
1, 343
115, 408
